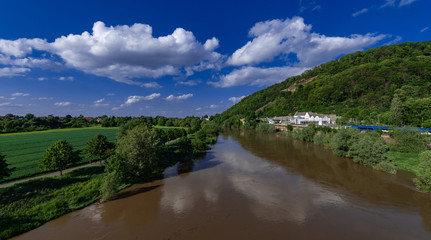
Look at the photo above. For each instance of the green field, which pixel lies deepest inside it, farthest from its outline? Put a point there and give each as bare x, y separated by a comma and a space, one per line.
24, 150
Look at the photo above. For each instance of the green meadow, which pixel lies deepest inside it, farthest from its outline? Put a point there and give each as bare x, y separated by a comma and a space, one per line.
24, 150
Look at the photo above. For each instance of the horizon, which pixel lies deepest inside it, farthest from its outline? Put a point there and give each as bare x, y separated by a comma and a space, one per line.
179, 59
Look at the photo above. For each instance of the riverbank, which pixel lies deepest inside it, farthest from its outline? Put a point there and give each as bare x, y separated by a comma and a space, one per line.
407, 150
28, 205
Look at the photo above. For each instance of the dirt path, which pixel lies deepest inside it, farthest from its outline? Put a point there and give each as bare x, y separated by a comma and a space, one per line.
49, 174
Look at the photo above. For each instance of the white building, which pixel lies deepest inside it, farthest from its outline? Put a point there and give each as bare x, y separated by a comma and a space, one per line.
305, 118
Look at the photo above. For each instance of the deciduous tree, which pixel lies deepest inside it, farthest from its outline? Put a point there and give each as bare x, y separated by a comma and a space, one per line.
59, 156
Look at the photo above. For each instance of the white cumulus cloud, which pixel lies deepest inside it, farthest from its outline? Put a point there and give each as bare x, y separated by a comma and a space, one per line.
236, 99
18, 94
255, 76
282, 37
180, 97
406, 2
126, 52
13, 71
62, 104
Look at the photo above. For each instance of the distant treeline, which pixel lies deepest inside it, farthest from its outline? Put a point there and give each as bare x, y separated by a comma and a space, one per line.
13, 123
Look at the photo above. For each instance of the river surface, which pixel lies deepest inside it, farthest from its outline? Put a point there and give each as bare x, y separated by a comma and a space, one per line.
257, 186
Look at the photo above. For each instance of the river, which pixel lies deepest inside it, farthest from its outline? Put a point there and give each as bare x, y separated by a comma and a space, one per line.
257, 186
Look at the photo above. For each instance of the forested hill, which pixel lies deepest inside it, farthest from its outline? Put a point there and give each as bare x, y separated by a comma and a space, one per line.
360, 85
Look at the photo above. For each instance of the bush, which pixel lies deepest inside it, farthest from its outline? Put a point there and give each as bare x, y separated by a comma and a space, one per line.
307, 133
289, 128
369, 150
423, 181
265, 127
109, 187
408, 140
386, 167
343, 140
319, 138
199, 145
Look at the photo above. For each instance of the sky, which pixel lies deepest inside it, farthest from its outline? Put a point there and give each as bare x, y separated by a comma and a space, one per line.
179, 58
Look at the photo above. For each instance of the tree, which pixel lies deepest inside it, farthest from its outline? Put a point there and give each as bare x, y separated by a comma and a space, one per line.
4, 170
59, 156
396, 110
141, 148
98, 147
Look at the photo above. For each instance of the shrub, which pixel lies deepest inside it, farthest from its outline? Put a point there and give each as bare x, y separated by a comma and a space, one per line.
423, 181
307, 133
408, 140
265, 127
343, 140
289, 128
386, 167
369, 150
109, 187
319, 138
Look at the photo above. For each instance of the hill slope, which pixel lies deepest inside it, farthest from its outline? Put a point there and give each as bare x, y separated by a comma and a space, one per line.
360, 85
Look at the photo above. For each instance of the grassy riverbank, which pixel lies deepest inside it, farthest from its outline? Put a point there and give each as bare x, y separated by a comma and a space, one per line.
28, 205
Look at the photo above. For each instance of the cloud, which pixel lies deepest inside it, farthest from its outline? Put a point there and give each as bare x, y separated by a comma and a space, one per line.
100, 103
23, 46
282, 37
236, 99
8, 104
255, 76
42, 78
13, 71
213, 106
136, 99
181, 97
126, 52
151, 85
424, 29
198, 109
360, 12
70, 78
45, 98
18, 94
388, 3
62, 104
406, 2
396, 40
190, 82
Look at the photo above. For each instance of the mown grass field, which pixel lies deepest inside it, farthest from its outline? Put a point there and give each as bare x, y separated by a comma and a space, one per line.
24, 150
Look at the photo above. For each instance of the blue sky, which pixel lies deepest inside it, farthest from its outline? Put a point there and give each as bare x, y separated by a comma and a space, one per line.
179, 58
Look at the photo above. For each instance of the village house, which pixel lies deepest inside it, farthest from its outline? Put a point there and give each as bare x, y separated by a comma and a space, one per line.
305, 118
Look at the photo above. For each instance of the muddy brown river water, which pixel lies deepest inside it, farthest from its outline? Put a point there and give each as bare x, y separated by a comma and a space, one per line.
257, 186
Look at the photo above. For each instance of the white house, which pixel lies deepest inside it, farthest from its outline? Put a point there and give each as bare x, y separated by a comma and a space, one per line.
305, 118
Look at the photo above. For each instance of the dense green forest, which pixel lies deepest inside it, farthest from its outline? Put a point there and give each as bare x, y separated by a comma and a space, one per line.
389, 84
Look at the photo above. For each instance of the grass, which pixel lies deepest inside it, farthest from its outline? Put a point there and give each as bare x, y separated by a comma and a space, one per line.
404, 161
28, 205
24, 150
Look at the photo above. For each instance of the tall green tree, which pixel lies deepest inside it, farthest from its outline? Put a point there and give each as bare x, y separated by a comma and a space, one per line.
98, 146
141, 148
59, 156
4, 170
396, 111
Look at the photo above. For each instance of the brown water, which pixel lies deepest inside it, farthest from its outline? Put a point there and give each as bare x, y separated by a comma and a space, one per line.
257, 186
